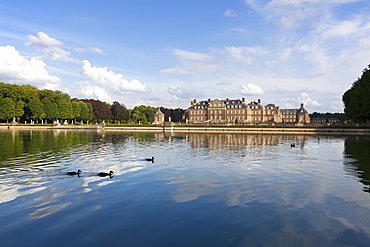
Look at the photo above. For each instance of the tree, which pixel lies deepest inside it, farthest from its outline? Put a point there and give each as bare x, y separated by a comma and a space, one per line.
65, 109
357, 99
119, 112
36, 109
175, 114
51, 109
7, 108
53, 96
101, 111
76, 110
86, 111
28, 92
143, 113
19, 109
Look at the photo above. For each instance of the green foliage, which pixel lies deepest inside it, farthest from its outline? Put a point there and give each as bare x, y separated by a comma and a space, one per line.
54, 96
36, 109
357, 99
16, 92
76, 110
65, 109
143, 113
19, 109
24, 102
86, 111
7, 108
50, 108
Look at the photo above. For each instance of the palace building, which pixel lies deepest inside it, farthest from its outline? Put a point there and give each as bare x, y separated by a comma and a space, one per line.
238, 111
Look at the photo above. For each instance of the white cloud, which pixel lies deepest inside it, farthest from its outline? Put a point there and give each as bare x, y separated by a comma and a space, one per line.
307, 100
50, 47
300, 2
89, 91
58, 54
337, 105
283, 88
15, 68
91, 49
239, 29
243, 54
230, 13
254, 4
187, 55
183, 92
343, 28
251, 89
192, 63
42, 41
107, 78
291, 13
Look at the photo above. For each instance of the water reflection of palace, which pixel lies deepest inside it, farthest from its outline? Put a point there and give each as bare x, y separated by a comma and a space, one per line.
216, 141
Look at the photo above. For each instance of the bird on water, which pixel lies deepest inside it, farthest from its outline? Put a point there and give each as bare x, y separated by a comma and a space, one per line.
104, 174
74, 173
292, 145
150, 159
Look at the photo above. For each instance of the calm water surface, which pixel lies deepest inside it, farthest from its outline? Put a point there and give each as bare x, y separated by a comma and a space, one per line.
202, 189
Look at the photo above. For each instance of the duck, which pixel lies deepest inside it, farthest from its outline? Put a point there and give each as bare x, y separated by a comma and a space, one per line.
150, 159
292, 145
74, 173
104, 174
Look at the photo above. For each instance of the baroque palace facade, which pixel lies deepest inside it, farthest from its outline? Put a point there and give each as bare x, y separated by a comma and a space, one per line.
238, 111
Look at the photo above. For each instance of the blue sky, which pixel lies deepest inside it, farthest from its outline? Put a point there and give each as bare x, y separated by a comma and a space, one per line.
166, 53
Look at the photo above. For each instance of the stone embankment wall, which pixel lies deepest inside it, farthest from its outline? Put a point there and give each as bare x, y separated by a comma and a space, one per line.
171, 127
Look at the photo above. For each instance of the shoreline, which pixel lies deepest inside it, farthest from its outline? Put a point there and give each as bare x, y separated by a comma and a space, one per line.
173, 128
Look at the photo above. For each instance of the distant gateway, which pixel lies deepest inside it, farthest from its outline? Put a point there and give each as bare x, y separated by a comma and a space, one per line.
238, 111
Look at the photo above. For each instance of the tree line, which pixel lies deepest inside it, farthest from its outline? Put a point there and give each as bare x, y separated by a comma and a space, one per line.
341, 116
25, 103
357, 99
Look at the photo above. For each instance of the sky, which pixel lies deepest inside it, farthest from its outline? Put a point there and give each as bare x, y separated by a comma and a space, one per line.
169, 52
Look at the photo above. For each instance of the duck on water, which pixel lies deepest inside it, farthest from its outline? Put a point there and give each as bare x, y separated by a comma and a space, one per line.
150, 159
104, 174
74, 173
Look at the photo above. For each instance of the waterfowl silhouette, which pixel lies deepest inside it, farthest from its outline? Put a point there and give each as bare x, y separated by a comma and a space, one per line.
74, 173
150, 159
104, 174
292, 145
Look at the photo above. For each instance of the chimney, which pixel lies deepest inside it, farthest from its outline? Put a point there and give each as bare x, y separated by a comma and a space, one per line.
259, 101
209, 100
191, 102
195, 101
227, 101
243, 100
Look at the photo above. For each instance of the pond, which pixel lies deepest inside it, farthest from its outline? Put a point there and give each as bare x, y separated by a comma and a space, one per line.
201, 189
